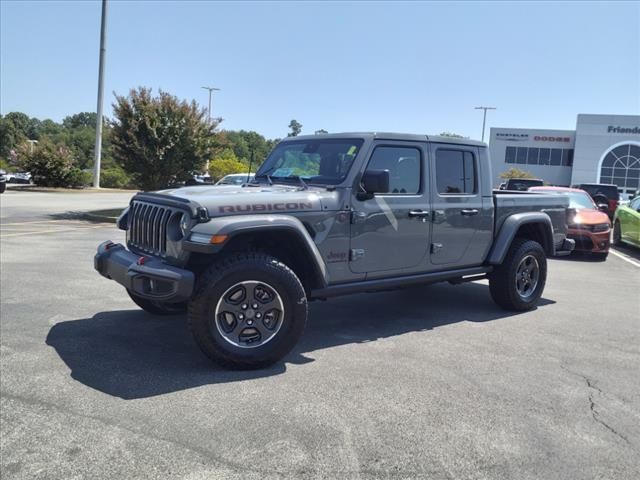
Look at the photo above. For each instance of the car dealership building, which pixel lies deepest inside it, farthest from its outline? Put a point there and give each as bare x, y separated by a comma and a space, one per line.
602, 149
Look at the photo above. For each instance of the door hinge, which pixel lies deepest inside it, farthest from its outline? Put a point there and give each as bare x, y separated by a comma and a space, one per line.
436, 247
356, 254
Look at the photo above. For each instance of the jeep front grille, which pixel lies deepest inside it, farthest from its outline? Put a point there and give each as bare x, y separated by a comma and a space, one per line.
148, 227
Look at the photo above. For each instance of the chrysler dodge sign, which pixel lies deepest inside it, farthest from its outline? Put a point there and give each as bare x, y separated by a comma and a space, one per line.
512, 137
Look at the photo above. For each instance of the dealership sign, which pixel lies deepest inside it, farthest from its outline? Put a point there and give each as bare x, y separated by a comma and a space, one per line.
512, 137
545, 138
612, 129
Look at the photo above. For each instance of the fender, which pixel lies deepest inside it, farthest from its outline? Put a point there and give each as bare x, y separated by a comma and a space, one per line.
232, 226
510, 228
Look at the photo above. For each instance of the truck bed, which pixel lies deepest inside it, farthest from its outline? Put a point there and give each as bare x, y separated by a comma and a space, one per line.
508, 202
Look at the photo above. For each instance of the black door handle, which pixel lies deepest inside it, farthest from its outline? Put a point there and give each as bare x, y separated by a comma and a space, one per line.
419, 213
467, 212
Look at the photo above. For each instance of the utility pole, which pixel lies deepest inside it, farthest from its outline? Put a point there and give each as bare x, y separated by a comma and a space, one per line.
484, 117
211, 90
103, 48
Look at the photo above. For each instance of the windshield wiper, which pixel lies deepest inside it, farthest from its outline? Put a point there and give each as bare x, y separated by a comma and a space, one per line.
303, 184
266, 175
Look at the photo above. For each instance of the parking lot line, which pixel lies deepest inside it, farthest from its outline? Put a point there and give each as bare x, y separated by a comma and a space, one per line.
21, 234
625, 258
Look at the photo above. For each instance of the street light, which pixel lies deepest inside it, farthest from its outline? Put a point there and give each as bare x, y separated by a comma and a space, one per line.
484, 117
211, 90
98, 147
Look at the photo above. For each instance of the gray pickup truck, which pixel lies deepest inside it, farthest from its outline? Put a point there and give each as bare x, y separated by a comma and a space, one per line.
325, 216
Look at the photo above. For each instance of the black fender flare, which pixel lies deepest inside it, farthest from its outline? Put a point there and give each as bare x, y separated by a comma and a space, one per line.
234, 226
510, 228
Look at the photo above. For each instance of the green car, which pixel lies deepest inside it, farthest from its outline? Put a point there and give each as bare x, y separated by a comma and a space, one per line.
626, 223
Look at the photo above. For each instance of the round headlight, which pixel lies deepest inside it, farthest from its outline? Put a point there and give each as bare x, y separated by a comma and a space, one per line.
184, 224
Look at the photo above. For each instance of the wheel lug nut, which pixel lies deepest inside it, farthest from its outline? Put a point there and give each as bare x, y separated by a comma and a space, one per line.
255, 305
249, 322
244, 306
258, 315
241, 317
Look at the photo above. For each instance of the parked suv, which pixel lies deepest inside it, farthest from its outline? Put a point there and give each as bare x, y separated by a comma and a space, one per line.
325, 216
603, 193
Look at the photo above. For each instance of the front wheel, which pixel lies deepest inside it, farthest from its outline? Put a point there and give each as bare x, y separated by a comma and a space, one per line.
617, 233
248, 311
517, 283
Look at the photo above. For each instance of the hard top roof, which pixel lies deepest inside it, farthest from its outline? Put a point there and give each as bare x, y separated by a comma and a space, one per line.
411, 137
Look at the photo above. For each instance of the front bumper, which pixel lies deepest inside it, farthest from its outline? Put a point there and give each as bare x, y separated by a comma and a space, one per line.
587, 241
147, 277
565, 248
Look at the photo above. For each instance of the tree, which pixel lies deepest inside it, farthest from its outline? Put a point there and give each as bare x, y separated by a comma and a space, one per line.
516, 173
160, 138
321, 131
225, 163
451, 134
82, 119
296, 128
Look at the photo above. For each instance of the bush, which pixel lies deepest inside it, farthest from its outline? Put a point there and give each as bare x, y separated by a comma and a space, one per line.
79, 178
52, 165
115, 177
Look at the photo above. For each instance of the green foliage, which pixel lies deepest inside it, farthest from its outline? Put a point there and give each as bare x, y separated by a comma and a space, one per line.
516, 173
160, 138
296, 128
321, 131
114, 176
450, 134
52, 165
249, 147
4, 164
225, 163
82, 119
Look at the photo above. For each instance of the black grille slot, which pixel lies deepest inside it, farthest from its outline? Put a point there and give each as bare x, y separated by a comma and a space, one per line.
148, 227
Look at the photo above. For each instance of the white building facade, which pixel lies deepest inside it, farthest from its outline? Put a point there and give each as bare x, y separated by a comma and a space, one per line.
602, 149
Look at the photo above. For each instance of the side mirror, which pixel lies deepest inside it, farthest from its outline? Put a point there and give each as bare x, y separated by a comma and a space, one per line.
375, 181
603, 207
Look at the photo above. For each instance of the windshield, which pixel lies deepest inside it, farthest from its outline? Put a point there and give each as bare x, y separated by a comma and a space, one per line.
579, 200
324, 161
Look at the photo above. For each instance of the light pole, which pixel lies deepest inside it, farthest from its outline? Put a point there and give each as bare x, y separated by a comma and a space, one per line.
484, 117
211, 90
98, 148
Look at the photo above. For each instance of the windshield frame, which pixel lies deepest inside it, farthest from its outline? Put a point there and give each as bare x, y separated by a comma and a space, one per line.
265, 170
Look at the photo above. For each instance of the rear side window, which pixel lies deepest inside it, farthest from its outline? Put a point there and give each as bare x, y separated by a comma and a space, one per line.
455, 172
403, 164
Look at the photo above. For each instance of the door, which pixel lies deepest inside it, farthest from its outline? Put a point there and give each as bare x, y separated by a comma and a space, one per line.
457, 206
391, 231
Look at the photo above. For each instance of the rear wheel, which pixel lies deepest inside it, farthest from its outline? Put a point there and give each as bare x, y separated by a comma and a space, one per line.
617, 233
248, 311
517, 284
158, 308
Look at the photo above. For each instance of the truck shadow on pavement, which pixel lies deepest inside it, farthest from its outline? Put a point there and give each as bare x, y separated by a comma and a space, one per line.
131, 354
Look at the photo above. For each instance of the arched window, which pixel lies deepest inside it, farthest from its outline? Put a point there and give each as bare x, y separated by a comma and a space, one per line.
621, 166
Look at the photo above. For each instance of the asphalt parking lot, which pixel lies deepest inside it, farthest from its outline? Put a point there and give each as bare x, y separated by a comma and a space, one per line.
430, 382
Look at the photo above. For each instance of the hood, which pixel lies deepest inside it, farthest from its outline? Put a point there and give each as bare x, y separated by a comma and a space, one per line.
237, 199
590, 216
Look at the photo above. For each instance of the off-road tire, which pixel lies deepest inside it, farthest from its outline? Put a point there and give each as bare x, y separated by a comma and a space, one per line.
158, 308
3, 187
502, 281
223, 275
617, 233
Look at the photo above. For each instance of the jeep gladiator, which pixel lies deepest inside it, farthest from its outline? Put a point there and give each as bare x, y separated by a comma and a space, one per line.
325, 216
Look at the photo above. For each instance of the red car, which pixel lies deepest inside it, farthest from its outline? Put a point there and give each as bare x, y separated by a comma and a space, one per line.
589, 227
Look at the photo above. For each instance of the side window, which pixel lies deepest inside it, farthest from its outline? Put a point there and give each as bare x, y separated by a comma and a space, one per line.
404, 165
455, 172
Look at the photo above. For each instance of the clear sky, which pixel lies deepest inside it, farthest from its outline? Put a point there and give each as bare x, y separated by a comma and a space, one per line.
387, 66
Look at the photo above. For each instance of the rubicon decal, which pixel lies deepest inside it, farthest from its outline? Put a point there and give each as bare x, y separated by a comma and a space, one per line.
265, 207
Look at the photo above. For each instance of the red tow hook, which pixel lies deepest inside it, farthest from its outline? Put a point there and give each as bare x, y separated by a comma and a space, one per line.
141, 260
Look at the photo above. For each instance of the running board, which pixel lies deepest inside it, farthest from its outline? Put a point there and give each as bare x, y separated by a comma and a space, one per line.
397, 282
